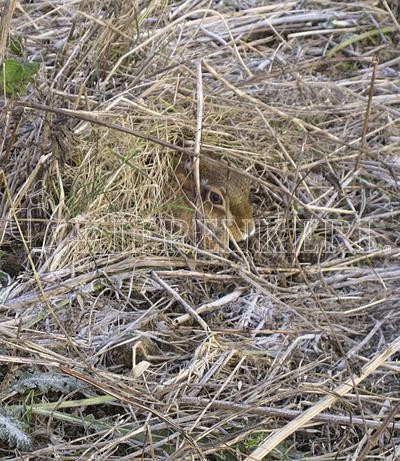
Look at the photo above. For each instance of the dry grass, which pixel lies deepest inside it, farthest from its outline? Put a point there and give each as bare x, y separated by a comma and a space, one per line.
285, 349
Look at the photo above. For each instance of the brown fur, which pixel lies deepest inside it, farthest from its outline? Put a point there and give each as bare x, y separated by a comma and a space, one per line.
235, 211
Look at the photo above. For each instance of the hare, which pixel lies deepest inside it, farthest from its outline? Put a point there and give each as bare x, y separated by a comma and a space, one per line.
225, 211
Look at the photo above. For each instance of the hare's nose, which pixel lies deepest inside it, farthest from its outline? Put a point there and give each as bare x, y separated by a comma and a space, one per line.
249, 230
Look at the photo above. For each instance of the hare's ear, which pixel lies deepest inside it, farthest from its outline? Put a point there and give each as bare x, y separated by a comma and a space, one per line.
185, 182
188, 165
204, 189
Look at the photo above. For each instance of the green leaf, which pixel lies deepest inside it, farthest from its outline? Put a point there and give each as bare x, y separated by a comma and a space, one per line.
15, 76
15, 45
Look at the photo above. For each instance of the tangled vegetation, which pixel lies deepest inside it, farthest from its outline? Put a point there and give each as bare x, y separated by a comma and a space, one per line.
121, 340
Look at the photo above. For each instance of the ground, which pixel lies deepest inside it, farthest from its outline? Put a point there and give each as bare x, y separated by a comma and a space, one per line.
120, 339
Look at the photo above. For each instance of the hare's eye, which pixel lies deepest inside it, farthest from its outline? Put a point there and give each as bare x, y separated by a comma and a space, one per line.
216, 198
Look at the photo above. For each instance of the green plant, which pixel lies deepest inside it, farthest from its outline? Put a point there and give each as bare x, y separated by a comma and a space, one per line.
15, 76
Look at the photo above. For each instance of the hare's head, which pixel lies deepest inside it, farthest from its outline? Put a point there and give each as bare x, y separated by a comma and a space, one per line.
225, 201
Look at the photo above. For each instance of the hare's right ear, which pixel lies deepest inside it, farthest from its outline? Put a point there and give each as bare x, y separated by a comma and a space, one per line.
188, 165
185, 176
185, 180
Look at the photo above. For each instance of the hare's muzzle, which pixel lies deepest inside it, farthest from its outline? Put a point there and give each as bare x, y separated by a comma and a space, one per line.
242, 229
248, 229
